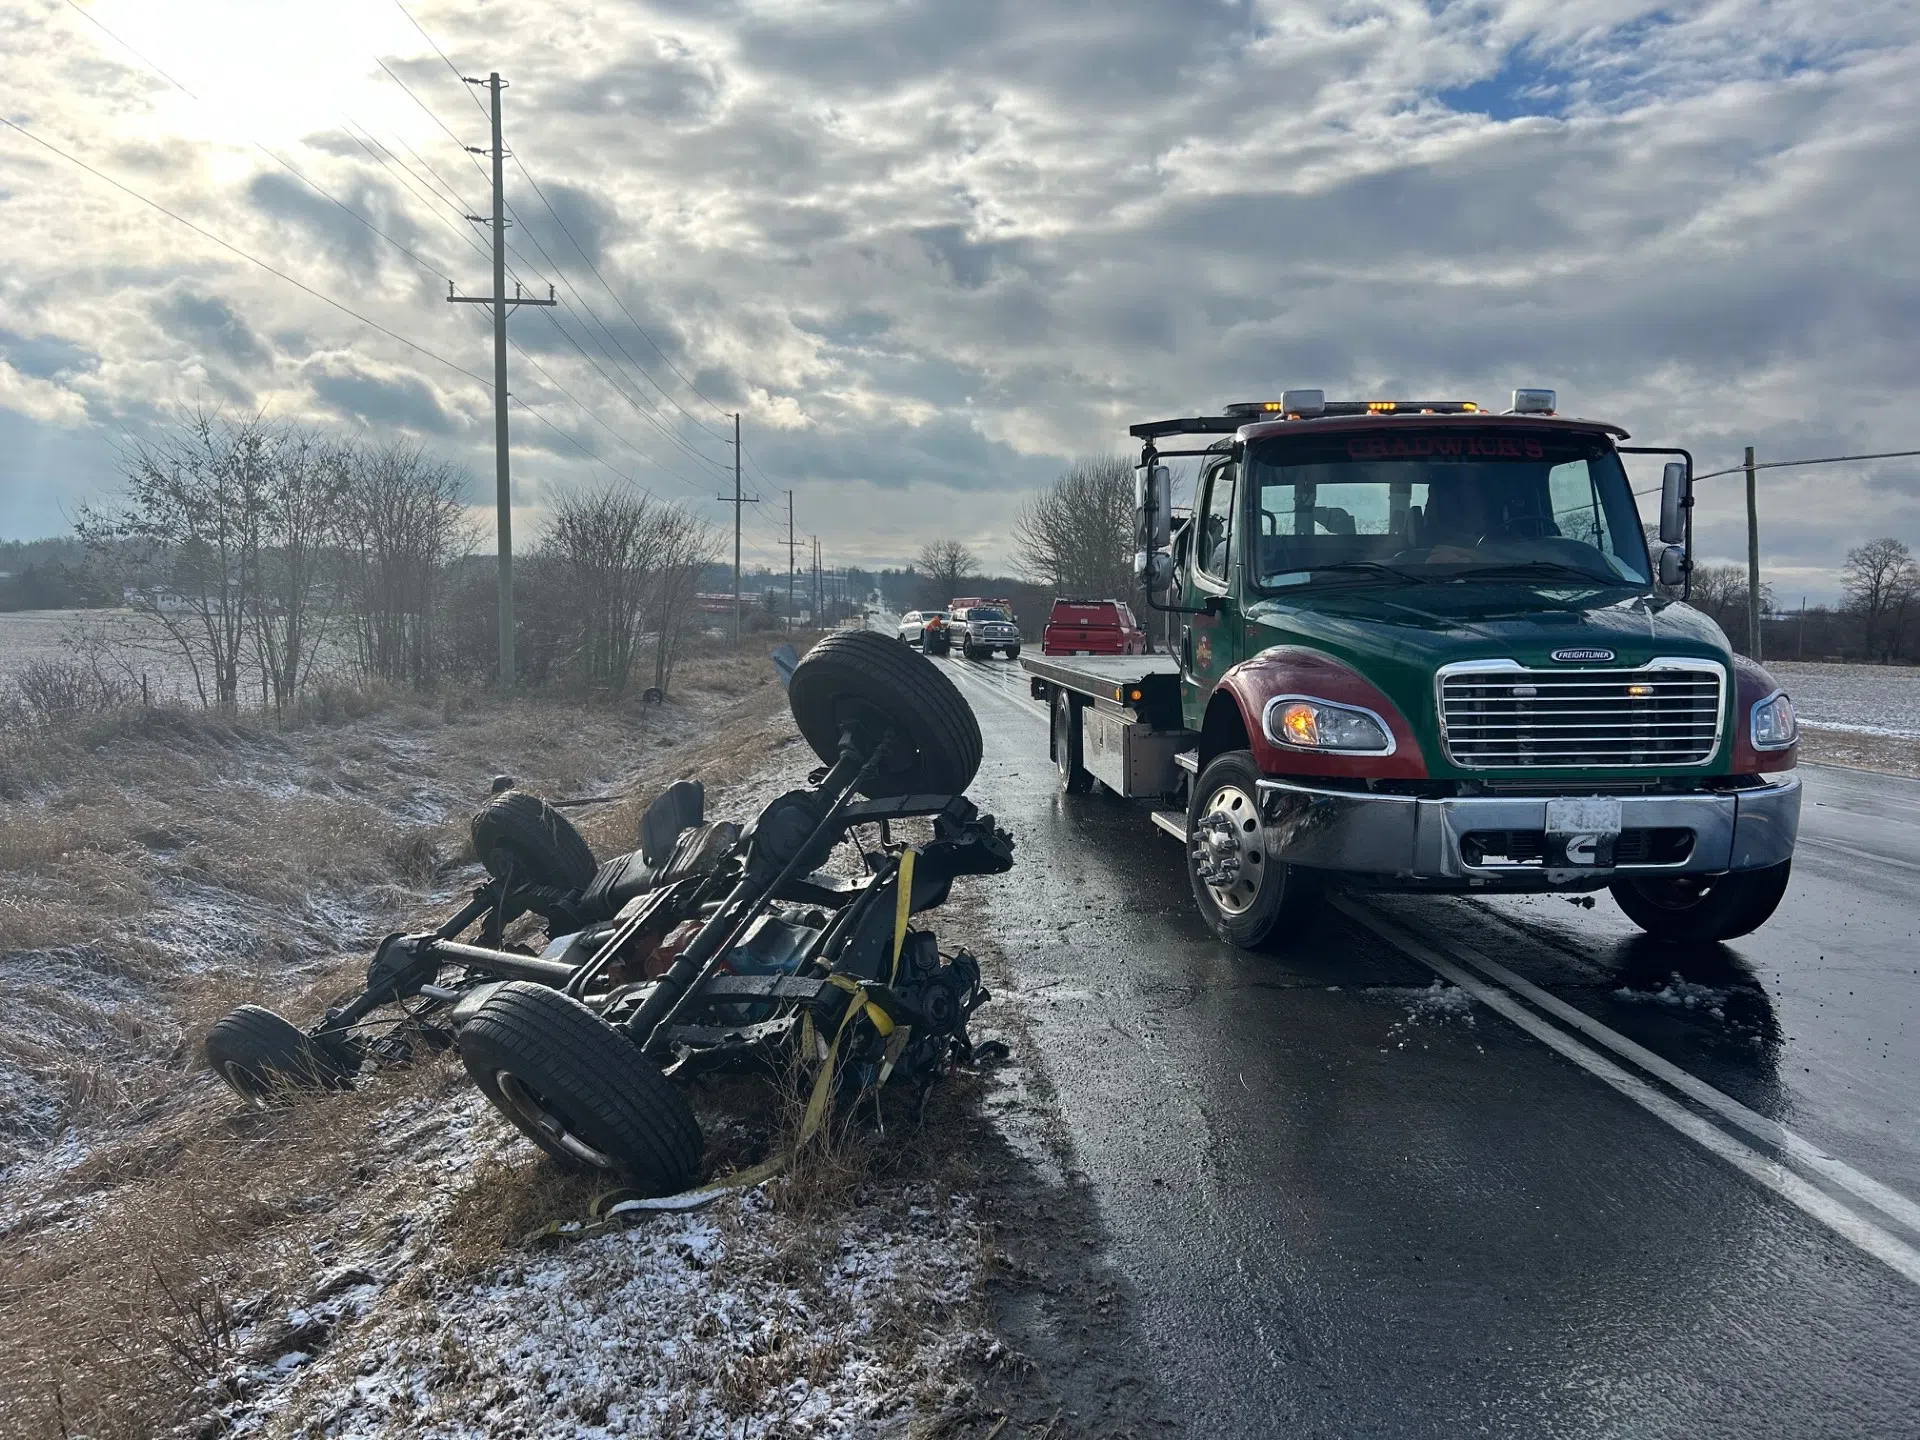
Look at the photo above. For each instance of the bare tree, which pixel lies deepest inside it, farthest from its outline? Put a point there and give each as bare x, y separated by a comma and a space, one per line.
306, 478
401, 524
1881, 583
183, 543
947, 566
1078, 534
603, 547
684, 543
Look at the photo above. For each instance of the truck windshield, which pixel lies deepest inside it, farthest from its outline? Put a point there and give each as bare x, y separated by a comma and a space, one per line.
1443, 506
986, 612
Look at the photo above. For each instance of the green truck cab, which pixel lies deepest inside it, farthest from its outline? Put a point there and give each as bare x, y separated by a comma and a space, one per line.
1422, 646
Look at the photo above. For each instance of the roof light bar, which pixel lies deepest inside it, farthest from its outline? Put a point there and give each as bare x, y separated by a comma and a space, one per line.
1311, 404
1534, 402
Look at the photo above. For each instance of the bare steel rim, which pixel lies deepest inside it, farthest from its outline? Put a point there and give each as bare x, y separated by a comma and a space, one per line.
1228, 849
1677, 893
244, 1083
533, 1107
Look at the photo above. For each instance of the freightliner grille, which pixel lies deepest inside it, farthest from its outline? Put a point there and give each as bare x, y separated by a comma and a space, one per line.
1511, 717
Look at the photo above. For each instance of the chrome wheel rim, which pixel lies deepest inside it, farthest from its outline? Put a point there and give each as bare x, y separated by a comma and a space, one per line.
1228, 849
532, 1107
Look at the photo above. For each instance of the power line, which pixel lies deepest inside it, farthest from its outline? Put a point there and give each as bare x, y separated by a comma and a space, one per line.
272, 155
235, 249
438, 51
455, 69
1786, 464
557, 269
521, 167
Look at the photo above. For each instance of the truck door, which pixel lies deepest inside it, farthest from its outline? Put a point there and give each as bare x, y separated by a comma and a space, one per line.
1210, 645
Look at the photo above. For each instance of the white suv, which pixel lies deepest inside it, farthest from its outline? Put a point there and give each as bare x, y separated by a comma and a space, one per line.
913, 624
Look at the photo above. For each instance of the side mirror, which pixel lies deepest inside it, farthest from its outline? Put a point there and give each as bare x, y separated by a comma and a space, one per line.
1675, 490
1153, 570
1153, 507
1673, 560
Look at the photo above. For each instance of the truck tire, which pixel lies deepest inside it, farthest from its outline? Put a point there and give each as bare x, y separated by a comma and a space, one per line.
1013, 652
580, 1089
1705, 909
855, 677
1245, 896
263, 1057
1069, 742
545, 848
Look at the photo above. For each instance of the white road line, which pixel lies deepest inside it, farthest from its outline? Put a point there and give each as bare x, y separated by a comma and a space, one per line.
1820, 842
1004, 692
1788, 1184
1796, 1147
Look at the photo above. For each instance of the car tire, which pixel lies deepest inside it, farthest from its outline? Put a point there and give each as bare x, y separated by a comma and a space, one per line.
1706, 909
264, 1057
544, 846
1246, 897
1013, 652
855, 677
1069, 741
580, 1089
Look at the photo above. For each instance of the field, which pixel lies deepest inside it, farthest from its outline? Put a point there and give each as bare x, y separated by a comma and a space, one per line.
1866, 716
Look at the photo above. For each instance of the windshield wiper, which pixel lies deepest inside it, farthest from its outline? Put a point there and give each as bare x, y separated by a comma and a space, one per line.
1354, 567
1529, 569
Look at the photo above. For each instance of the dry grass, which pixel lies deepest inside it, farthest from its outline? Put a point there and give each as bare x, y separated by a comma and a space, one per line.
1888, 754
154, 871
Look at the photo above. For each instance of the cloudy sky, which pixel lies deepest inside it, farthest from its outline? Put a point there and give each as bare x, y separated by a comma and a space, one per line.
931, 248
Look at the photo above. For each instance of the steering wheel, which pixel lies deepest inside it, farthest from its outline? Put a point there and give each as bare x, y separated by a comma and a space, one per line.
1522, 527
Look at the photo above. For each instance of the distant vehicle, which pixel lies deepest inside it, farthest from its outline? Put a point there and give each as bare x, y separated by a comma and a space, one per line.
1092, 627
913, 624
984, 628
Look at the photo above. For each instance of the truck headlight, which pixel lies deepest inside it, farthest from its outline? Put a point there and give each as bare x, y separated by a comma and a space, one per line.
1772, 725
1304, 723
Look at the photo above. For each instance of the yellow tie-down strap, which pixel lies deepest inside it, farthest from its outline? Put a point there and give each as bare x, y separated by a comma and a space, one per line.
608, 1207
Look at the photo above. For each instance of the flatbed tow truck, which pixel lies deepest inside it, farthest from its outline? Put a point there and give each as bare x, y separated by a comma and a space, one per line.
1425, 647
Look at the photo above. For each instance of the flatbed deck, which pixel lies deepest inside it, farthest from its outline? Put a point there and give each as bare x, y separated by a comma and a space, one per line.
1106, 677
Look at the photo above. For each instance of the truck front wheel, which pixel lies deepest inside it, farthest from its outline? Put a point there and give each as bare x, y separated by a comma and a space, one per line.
1703, 909
1244, 894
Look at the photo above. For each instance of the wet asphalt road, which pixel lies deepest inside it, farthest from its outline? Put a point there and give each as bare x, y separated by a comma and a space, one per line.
1355, 1199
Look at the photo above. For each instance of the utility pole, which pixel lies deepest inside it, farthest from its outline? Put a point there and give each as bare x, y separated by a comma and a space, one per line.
816, 580
502, 476
737, 500
792, 545
1753, 564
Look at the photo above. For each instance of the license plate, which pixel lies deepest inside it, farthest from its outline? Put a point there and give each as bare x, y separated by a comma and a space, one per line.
1581, 833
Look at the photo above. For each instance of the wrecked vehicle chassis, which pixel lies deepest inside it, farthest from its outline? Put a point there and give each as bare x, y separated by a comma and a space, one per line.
714, 944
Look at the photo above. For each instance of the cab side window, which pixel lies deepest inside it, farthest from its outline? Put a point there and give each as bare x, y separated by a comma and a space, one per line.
1213, 542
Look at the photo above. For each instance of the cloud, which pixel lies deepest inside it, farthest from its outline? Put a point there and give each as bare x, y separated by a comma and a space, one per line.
931, 248
382, 402
39, 399
213, 324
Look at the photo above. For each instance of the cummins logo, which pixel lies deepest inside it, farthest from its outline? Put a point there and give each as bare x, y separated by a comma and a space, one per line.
1580, 653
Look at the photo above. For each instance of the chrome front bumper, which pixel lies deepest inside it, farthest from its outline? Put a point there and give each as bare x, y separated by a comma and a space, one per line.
1418, 841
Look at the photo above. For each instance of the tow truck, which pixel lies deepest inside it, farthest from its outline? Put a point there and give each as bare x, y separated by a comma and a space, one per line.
1423, 646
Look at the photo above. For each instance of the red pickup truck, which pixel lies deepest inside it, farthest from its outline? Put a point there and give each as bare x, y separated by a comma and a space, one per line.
1092, 627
